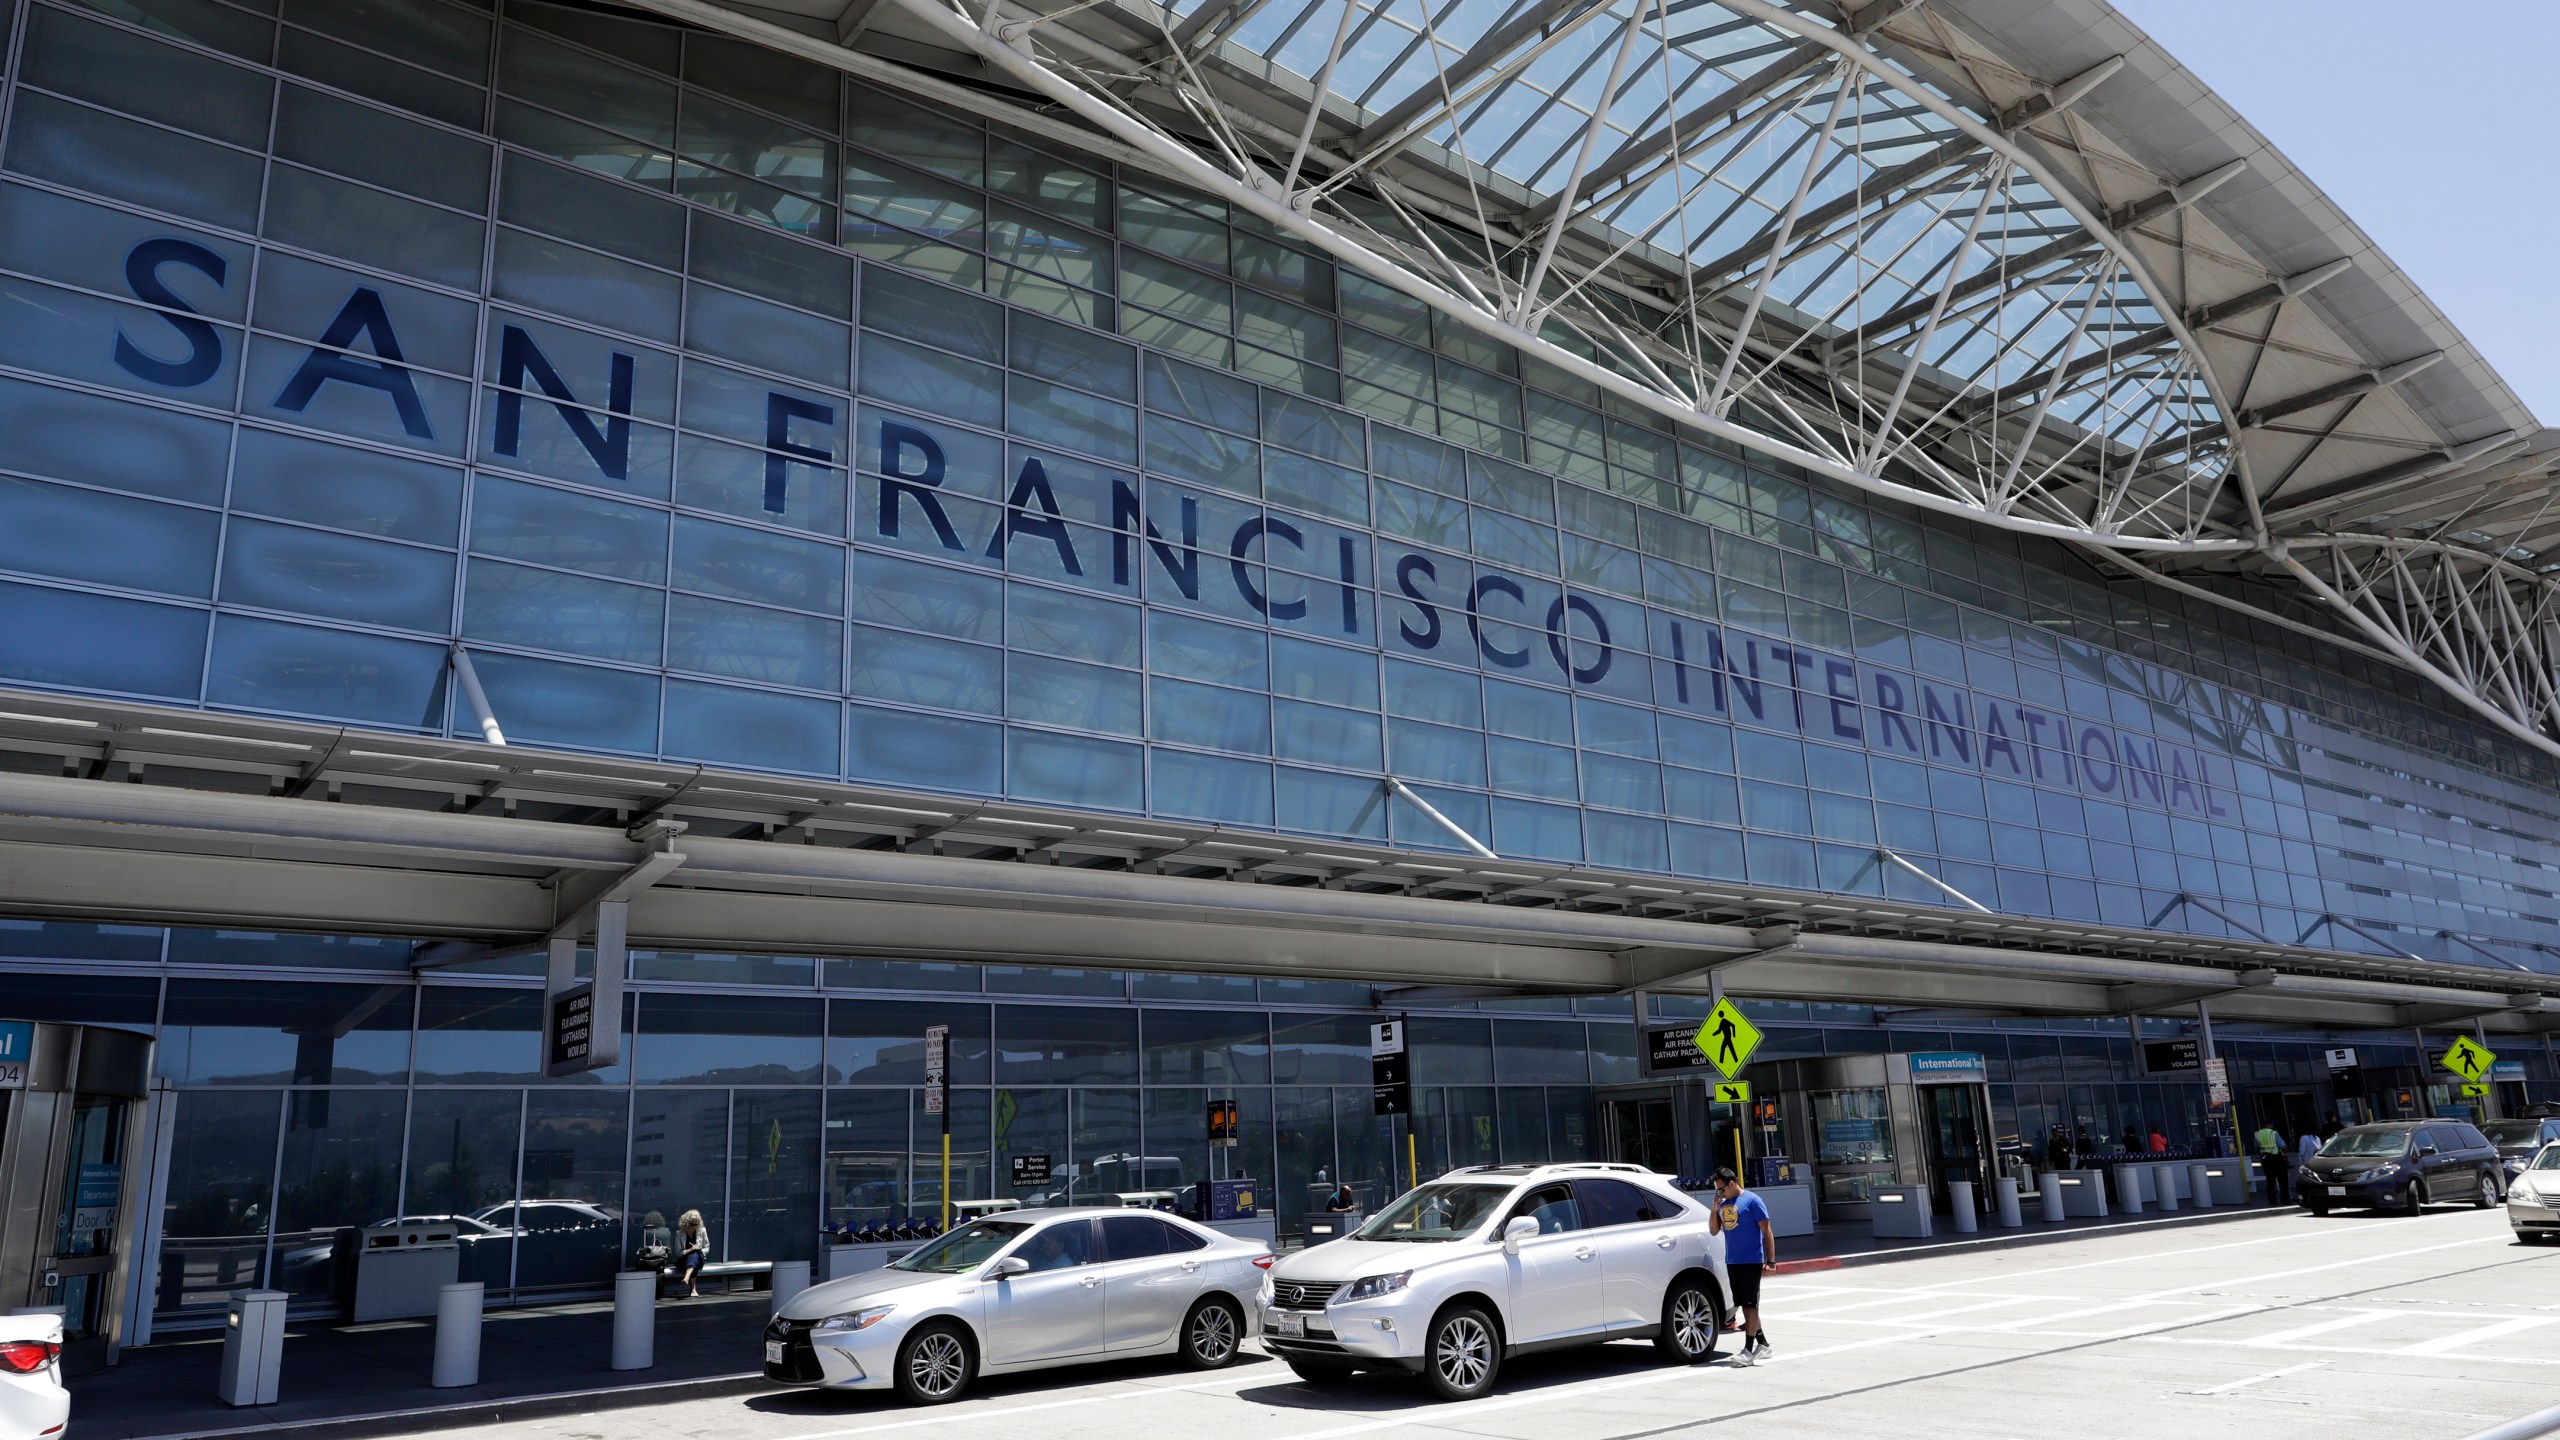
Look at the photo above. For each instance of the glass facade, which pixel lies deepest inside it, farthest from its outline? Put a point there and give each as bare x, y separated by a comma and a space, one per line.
320, 1085
633, 360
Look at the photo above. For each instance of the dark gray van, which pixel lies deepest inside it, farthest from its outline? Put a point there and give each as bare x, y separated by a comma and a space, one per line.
2403, 1165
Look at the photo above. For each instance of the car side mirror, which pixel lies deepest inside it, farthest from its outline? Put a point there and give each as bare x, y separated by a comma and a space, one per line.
1517, 1229
1010, 1266
2425, 1150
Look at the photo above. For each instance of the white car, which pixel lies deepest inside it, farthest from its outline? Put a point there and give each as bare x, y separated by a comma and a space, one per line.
2533, 1196
1023, 1290
33, 1403
1498, 1260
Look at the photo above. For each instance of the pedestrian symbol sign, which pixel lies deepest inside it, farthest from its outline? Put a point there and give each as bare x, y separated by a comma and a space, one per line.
1727, 1039
2468, 1059
1734, 1092
2473, 1090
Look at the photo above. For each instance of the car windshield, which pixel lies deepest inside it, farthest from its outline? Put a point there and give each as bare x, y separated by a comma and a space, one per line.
2367, 1144
1434, 1212
963, 1249
2513, 1134
2549, 1159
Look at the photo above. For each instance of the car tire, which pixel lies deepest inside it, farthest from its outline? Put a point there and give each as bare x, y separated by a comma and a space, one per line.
1212, 1334
2487, 1198
1317, 1371
1692, 1323
2413, 1201
2316, 1207
1464, 1354
935, 1364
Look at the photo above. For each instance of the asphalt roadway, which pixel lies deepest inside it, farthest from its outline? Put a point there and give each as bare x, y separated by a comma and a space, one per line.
2282, 1325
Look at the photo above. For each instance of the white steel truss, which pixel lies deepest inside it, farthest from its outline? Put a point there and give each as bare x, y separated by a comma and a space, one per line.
1845, 237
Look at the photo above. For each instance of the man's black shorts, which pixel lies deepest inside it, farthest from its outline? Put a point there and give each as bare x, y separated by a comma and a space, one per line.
1745, 1280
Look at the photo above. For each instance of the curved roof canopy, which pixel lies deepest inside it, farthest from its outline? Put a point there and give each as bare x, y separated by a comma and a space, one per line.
2000, 258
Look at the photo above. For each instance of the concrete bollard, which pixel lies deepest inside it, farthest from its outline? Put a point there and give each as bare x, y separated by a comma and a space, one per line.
2049, 1189
2005, 1193
2200, 1184
458, 1335
635, 1319
1962, 1208
2164, 1182
2129, 1189
790, 1277
252, 1348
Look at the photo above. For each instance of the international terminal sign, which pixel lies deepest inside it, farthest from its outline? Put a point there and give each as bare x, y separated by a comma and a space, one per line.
943, 490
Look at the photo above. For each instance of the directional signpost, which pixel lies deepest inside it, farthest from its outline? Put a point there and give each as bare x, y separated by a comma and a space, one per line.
1727, 1039
2473, 1090
1733, 1092
937, 1100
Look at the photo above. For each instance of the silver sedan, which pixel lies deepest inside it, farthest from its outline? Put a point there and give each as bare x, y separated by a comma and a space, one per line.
1023, 1290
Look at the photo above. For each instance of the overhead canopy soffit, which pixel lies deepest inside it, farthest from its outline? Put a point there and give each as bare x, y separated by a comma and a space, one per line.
133, 815
2005, 259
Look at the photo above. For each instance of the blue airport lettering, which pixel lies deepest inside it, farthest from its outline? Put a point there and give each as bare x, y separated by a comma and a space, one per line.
520, 360
142, 266
1885, 712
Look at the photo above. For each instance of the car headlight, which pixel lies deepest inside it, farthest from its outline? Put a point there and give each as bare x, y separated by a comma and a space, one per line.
856, 1320
2379, 1171
1372, 1286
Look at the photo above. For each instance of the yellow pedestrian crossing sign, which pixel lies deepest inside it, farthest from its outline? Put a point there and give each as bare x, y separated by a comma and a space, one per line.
1733, 1092
2473, 1090
2467, 1058
1728, 1038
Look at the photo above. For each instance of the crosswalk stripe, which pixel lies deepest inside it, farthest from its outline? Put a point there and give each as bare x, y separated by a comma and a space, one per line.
2460, 1339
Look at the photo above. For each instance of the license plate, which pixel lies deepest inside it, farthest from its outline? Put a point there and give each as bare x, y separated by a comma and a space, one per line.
773, 1352
1283, 1323
2337, 1189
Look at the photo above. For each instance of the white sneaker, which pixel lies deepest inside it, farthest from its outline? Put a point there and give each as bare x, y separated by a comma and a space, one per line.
1747, 1357
1764, 1350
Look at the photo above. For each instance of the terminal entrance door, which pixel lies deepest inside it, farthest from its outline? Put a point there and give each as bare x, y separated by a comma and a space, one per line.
1640, 1132
70, 1109
1955, 1129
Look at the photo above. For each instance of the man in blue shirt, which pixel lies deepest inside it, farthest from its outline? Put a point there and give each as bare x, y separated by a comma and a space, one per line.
1750, 1247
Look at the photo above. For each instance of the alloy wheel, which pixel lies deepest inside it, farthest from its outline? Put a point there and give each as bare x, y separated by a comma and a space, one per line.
1213, 1334
937, 1364
1464, 1355
1693, 1322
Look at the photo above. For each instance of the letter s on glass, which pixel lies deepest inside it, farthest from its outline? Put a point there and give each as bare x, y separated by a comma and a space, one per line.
204, 343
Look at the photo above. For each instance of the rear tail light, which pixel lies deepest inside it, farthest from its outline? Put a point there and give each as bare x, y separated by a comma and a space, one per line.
26, 1357
1263, 1262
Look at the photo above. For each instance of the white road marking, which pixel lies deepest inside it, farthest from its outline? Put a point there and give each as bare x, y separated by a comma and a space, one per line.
2243, 1384
2464, 1338
2282, 1338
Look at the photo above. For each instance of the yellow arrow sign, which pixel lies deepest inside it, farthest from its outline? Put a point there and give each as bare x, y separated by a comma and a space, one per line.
1728, 1038
2467, 1058
2473, 1090
1733, 1092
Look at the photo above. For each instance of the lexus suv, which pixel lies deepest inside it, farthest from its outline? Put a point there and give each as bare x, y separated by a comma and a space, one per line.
1493, 1261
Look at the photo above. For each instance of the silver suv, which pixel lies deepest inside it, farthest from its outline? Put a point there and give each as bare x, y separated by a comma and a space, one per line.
1498, 1260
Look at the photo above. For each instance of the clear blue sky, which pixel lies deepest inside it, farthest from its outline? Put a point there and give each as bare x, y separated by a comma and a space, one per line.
2430, 123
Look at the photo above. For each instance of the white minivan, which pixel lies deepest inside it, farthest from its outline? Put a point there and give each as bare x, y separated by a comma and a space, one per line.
1492, 1261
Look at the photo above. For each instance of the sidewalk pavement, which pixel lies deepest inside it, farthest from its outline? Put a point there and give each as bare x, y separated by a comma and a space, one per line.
344, 1381
1854, 1242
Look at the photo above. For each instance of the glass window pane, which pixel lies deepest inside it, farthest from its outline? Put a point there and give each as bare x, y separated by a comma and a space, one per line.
745, 727
1062, 1045
221, 1179
90, 642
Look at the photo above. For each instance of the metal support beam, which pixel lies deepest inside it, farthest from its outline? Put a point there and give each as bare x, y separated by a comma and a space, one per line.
1432, 812
2134, 1001
478, 699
